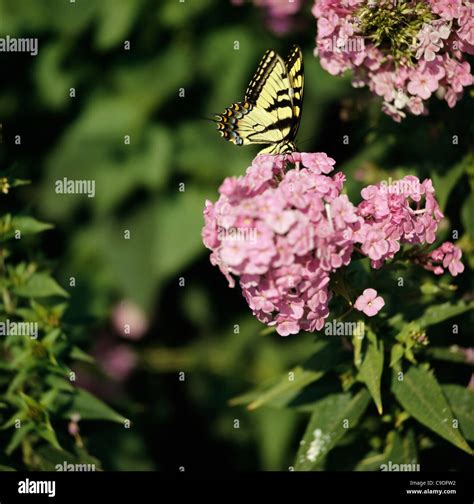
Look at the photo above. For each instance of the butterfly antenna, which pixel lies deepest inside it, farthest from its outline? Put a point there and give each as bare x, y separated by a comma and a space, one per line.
306, 140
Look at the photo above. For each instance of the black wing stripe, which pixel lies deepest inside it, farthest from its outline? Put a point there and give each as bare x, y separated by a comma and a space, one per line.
278, 125
264, 70
294, 64
276, 105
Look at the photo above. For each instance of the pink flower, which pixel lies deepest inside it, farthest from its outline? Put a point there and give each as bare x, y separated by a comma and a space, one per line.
287, 327
73, 425
116, 360
415, 106
431, 39
447, 9
232, 252
280, 223
384, 85
119, 361
318, 162
422, 85
452, 259
468, 354
129, 320
369, 302
343, 212
447, 256
374, 244
262, 171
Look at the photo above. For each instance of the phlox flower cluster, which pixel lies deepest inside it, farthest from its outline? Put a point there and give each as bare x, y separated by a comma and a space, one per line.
406, 212
283, 231
404, 51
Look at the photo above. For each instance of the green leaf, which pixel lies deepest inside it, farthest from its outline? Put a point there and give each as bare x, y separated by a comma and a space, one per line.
52, 459
439, 313
46, 431
461, 401
78, 354
370, 371
393, 453
445, 184
372, 461
429, 289
40, 285
58, 382
88, 406
332, 417
467, 215
51, 337
4, 468
25, 225
421, 395
397, 450
410, 448
396, 354
281, 391
449, 354
18, 437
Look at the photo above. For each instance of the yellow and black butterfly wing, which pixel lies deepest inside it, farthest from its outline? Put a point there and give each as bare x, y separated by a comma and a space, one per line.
265, 68
294, 65
267, 115
256, 120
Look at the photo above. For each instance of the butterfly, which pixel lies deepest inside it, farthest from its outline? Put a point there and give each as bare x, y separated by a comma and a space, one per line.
271, 111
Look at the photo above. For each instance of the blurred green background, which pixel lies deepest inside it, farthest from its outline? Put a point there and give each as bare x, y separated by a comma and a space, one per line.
181, 68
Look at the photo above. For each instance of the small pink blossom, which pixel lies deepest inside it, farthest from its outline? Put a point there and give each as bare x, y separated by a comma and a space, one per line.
374, 244
369, 302
447, 256
286, 327
73, 425
116, 360
129, 320
318, 162
422, 85
343, 212
447, 9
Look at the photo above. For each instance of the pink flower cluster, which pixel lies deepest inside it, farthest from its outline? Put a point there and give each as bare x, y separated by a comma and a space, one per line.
447, 256
271, 227
434, 63
279, 14
283, 232
405, 211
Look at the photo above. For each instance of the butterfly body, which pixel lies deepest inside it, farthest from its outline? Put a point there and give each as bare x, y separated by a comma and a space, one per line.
271, 111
